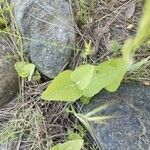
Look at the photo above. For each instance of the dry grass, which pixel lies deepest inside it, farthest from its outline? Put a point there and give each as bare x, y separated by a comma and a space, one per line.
36, 124
33, 124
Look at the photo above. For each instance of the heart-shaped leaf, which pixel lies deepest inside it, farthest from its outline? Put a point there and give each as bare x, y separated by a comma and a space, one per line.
25, 69
82, 75
112, 87
104, 75
69, 145
62, 88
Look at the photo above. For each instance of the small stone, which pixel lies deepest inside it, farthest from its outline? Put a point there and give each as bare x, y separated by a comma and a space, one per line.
130, 26
8, 77
129, 129
130, 10
49, 27
147, 83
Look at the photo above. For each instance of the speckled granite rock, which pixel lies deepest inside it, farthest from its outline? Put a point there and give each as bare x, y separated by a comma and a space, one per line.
130, 127
11, 146
8, 77
49, 24
3, 147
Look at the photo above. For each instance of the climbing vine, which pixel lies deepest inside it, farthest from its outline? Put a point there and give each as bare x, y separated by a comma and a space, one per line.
87, 80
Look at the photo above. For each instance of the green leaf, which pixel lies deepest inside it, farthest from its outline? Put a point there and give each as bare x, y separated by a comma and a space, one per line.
122, 69
73, 135
120, 72
2, 21
105, 76
69, 145
83, 75
62, 88
19, 68
88, 49
112, 87
30, 69
85, 100
127, 51
25, 69
143, 32
36, 76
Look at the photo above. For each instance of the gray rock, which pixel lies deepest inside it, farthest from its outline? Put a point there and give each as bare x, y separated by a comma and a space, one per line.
8, 146
49, 27
8, 77
130, 127
3, 147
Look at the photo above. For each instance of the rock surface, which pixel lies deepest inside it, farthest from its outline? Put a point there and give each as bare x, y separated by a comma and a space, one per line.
8, 146
3, 147
8, 77
130, 127
49, 26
